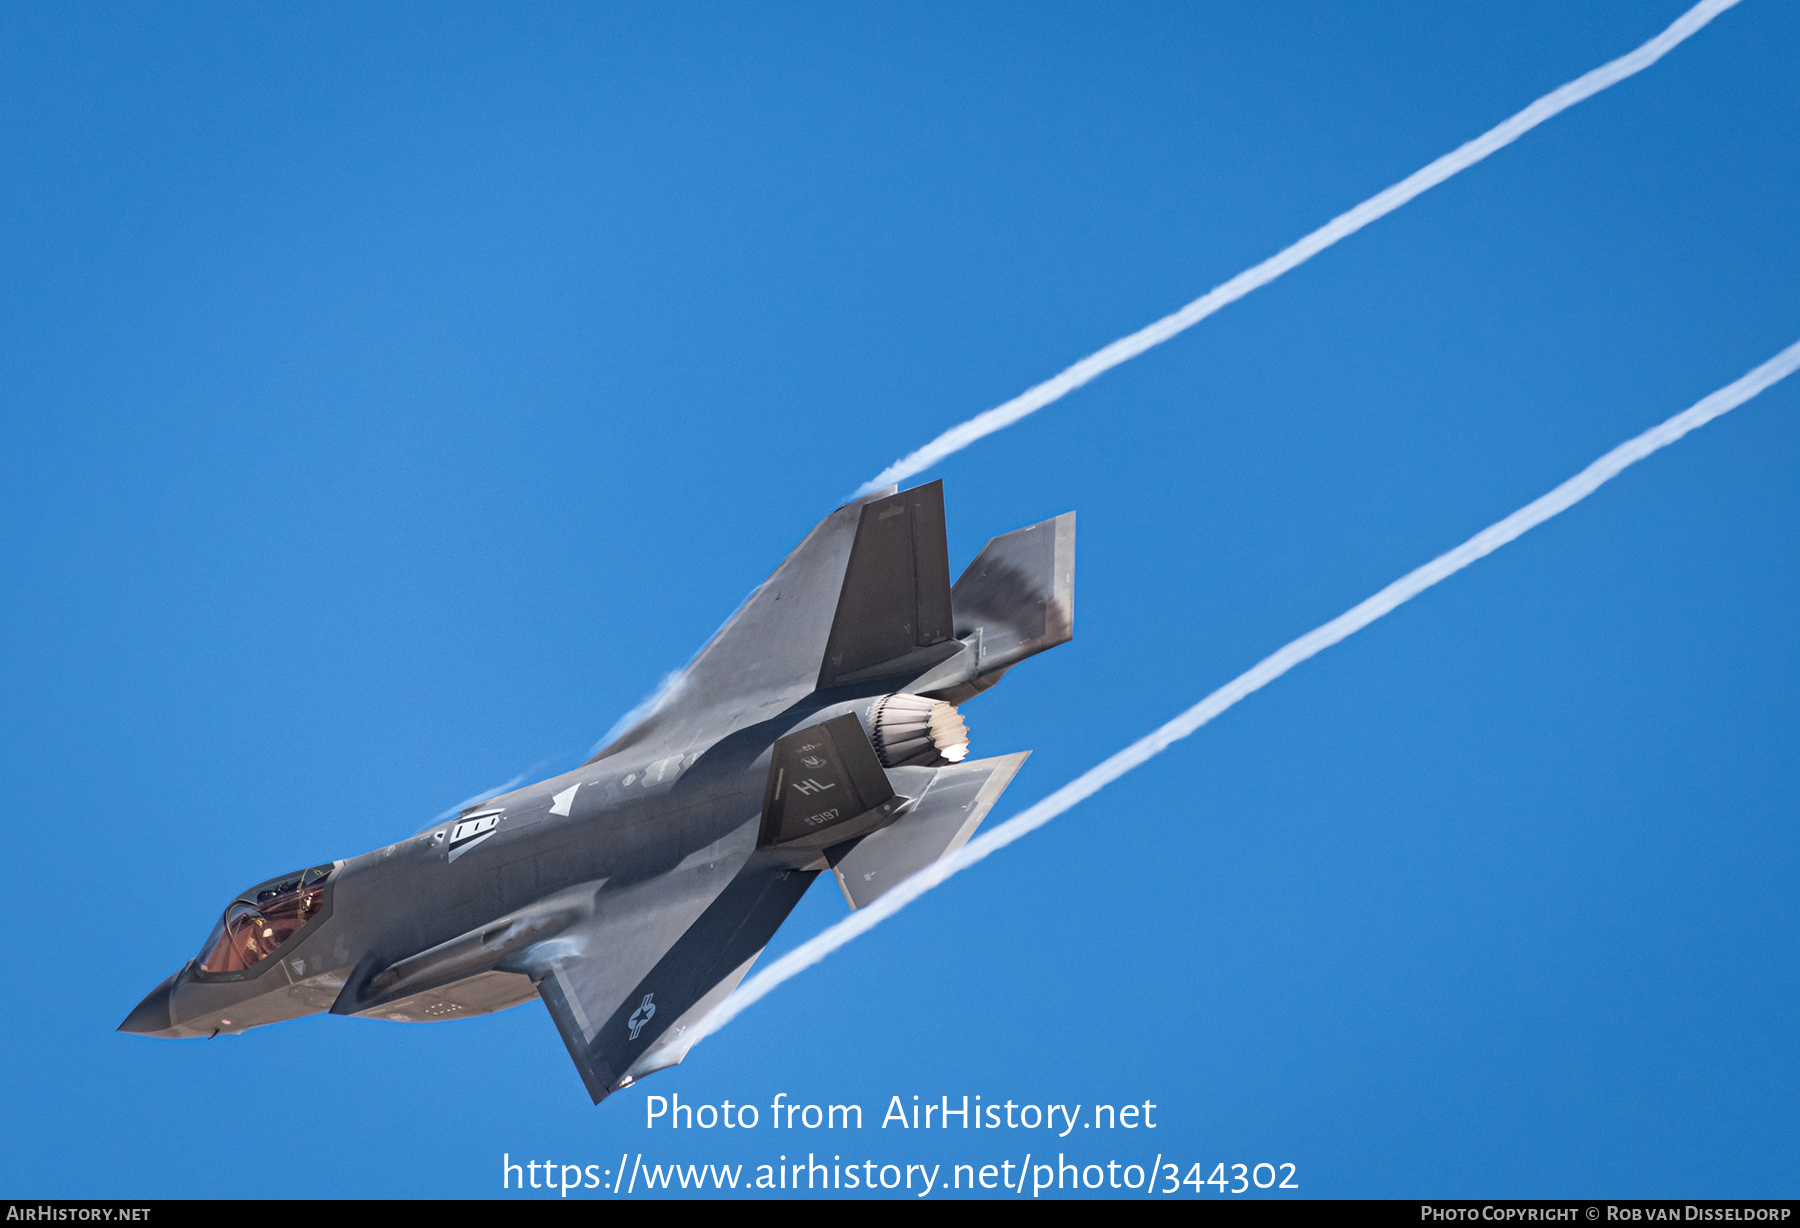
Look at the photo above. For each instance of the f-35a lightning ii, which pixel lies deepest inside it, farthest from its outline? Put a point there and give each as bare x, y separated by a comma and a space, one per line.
818, 730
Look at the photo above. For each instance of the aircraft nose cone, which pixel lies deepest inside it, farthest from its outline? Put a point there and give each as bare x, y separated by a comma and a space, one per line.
151, 1016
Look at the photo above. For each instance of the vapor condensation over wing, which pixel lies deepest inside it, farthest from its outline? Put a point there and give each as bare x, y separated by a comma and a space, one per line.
1033, 399
1264, 672
466, 802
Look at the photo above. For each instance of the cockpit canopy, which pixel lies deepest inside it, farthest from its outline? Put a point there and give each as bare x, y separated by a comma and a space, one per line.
263, 918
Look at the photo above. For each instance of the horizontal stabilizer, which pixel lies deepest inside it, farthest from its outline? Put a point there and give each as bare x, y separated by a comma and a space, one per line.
935, 826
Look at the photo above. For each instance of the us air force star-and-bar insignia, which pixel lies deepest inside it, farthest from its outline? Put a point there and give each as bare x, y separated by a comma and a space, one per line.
641, 1015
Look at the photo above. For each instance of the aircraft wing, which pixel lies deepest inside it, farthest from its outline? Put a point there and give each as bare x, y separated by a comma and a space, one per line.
865, 596
937, 824
626, 985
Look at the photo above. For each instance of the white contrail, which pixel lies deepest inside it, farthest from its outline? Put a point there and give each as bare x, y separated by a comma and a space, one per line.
1033, 399
1265, 671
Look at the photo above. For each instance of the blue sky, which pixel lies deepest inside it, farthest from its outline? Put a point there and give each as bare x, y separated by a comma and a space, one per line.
393, 396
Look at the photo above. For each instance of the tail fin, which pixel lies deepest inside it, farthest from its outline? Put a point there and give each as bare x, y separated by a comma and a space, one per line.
894, 611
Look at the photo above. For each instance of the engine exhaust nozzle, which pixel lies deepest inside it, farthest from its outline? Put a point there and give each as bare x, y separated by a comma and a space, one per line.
911, 730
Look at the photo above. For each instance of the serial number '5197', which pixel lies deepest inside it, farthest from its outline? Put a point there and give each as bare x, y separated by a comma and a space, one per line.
824, 816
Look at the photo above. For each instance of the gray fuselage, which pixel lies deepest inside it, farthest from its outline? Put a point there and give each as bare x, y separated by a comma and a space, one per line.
635, 817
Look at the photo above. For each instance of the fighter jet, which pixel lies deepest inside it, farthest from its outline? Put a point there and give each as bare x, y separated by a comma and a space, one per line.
817, 731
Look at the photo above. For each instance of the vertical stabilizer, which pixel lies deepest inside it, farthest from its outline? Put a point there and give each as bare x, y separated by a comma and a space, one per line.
894, 613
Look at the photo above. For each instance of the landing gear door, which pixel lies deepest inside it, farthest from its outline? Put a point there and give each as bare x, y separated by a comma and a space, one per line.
826, 785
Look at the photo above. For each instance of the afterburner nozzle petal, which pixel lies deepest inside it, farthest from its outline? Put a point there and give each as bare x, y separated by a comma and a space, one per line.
912, 730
